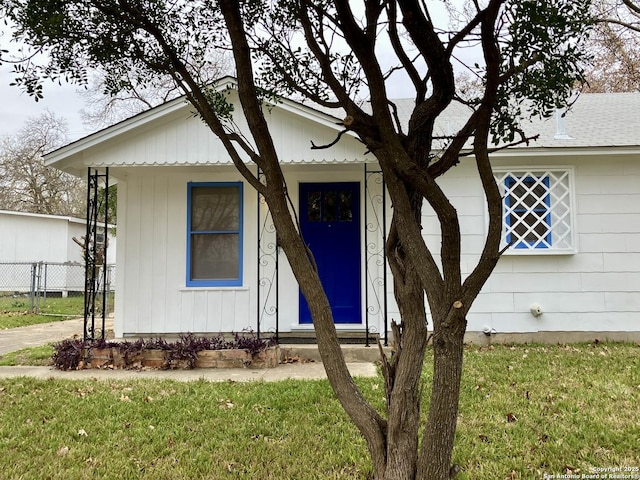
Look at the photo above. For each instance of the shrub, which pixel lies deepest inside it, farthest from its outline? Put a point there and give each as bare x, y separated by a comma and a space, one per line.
68, 354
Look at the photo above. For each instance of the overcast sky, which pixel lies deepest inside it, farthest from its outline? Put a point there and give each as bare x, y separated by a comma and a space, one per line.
16, 106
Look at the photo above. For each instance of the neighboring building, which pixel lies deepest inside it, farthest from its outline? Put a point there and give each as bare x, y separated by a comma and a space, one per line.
30, 238
198, 252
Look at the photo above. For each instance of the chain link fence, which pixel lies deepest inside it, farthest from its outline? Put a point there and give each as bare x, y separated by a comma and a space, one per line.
47, 288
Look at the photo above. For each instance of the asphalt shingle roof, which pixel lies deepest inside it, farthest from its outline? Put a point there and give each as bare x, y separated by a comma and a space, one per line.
595, 120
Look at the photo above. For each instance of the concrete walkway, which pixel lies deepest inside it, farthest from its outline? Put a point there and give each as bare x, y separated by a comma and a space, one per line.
295, 371
25, 337
12, 339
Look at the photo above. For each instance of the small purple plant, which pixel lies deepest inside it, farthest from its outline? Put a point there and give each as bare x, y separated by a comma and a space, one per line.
249, 342
183, 352
68, 354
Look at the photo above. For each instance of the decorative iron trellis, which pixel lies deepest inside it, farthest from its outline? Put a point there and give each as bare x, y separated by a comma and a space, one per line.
375, 237
95, 252
375, 261
268, 278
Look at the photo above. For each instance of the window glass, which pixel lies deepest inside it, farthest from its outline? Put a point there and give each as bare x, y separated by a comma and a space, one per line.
330, 206
215, 234
313, 206
346, 213
215, 256
527, 215
215, 208
537, 210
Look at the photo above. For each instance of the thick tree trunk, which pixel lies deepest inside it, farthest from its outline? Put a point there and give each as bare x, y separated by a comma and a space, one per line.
434, 462
405, 396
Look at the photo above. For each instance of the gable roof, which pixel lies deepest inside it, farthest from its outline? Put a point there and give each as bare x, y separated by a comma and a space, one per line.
595, 121
72, 156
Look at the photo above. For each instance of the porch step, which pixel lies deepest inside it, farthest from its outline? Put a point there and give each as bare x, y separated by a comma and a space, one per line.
352, 353
345, 337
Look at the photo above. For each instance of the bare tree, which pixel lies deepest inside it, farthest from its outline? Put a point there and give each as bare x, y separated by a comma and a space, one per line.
615, 47
26, 184
329, 54
107, 104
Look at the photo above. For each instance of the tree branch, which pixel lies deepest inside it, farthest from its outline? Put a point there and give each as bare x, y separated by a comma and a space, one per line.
321, 147
407, 64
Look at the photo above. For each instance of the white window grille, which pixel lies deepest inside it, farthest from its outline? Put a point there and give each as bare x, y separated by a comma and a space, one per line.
537, 216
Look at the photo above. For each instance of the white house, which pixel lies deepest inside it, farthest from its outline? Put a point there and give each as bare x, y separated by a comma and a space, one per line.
31, 238
197, 251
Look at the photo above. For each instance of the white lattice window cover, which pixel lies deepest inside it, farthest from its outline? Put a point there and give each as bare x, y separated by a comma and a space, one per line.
537, 214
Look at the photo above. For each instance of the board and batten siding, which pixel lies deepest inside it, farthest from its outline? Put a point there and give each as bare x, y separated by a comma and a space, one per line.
152, 297
595, 289
180, 138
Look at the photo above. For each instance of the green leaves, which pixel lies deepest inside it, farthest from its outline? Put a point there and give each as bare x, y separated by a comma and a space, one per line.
135, 43
542, 59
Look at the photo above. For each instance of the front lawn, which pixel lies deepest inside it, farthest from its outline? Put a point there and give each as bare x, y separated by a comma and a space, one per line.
34, 356
525, 411
16, 311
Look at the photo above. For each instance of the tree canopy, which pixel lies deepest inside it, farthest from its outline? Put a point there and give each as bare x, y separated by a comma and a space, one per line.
346, 55
26, 184
615, 62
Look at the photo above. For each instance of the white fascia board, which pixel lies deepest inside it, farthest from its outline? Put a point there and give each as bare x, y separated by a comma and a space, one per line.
566, 151
77, 147
310, 113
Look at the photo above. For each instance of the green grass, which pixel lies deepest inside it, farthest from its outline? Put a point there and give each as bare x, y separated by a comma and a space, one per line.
571, 408
575, 408
15, 312
34, 356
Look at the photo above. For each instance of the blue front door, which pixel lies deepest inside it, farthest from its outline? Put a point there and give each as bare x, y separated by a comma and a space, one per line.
330, 224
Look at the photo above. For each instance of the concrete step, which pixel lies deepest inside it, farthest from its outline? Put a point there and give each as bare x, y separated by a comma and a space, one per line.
352, 353
356, 337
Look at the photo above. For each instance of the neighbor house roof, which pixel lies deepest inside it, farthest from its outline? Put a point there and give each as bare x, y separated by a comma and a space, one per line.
43, 215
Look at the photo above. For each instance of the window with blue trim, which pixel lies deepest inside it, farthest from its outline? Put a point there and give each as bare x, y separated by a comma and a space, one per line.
214, 234
528, 216
538, 216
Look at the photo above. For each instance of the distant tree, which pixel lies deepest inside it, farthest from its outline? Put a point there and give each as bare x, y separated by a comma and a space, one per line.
111, 205
26, 184
615, 47
329, 53
107, 103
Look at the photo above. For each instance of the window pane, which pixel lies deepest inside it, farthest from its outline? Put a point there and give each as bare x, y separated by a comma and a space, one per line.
330, 207
528, 211
345, 215
215, 208
531, 228
215, 256
313, 206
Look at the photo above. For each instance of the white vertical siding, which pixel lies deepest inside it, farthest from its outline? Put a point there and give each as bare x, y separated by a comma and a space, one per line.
181, 138
152, 297
595, 289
